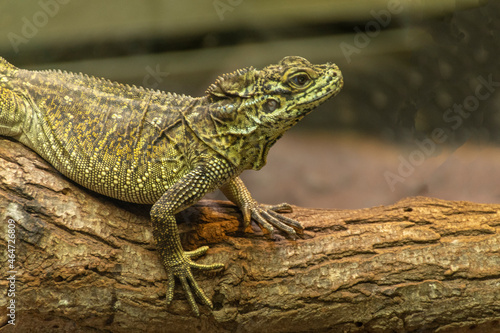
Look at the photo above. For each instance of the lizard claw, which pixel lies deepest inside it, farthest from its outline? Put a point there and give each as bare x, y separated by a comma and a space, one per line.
268, 218
180, 268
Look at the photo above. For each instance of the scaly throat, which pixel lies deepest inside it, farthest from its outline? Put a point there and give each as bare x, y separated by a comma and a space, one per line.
219, 126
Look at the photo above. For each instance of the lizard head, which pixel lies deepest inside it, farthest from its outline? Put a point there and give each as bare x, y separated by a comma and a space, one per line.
251, 109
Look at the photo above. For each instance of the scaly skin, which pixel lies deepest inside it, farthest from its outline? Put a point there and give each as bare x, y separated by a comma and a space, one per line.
165, 149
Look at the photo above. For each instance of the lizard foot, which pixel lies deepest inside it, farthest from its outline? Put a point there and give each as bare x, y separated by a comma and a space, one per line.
268, 217
181, 268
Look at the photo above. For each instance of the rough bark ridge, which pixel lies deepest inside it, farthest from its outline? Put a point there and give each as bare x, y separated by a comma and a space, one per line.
86, 263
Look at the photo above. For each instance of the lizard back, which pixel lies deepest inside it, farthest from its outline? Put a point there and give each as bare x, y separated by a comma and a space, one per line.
122, 141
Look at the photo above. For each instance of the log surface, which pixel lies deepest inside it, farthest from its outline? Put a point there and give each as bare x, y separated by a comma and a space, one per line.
86, 263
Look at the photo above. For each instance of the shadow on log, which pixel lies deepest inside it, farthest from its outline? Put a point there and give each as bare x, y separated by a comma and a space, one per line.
86, 263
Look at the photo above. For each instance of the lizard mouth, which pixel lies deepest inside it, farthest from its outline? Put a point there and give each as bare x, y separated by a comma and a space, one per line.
322, 95
327, 91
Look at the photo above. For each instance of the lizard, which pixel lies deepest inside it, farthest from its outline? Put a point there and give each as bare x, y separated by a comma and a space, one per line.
165, 149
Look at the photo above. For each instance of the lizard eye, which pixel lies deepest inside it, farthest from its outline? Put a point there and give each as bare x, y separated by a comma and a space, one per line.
271, 105
300, 80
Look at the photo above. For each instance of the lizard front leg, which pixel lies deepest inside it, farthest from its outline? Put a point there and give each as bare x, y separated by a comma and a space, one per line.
266, 216
178, 263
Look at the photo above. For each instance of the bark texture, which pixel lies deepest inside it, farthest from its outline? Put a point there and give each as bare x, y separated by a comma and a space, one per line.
86, 263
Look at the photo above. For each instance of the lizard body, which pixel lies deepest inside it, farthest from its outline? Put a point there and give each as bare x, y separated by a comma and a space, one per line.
165, 149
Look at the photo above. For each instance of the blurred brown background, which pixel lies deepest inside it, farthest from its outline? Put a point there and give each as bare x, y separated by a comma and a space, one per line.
419, 113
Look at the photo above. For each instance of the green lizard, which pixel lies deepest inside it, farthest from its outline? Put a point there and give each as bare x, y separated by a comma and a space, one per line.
165, 149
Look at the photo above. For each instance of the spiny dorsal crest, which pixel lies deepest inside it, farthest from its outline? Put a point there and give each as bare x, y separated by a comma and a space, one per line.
239, 83
101, 83
5, 65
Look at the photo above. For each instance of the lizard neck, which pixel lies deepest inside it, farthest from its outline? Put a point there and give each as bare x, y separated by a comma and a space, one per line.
218, 124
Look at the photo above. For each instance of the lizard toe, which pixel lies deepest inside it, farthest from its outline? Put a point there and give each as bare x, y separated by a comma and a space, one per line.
281, 208
269, 219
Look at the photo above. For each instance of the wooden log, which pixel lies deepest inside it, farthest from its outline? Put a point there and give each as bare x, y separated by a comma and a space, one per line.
86, 263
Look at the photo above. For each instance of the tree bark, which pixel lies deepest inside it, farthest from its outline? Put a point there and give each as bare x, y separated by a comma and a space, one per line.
86, 263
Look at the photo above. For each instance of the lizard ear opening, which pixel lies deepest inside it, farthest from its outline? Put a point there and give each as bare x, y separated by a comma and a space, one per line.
240, 83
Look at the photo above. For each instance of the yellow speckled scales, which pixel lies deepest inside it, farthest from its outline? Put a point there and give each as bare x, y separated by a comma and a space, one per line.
146, 146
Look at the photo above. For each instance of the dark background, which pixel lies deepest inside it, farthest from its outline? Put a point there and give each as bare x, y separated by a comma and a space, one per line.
406, 68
